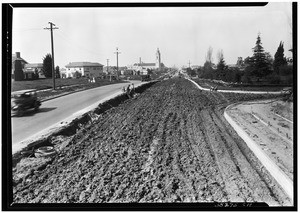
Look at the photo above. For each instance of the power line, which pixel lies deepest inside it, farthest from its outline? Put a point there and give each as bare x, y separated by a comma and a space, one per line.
27, 29
75, 45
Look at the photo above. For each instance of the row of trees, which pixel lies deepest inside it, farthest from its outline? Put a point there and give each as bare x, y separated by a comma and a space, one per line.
260, 66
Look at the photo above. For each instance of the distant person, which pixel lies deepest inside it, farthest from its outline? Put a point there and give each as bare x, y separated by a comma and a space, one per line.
132, 90
128, 91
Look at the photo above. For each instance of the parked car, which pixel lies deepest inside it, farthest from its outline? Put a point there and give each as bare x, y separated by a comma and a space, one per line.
24, 100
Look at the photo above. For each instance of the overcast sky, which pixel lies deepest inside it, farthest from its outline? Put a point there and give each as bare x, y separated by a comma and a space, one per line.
182, 34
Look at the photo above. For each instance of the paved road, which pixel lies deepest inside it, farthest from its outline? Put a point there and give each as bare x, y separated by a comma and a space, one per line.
58, 109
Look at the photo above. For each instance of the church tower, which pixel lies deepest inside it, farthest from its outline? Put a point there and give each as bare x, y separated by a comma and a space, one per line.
158, 59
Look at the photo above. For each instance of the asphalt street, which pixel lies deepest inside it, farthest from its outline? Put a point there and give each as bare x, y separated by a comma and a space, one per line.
58, 109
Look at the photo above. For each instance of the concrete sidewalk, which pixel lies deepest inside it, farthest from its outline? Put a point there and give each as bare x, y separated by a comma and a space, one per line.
236, 91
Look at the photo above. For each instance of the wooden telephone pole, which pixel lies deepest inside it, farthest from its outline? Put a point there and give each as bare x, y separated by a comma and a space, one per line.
117, 52
107, 60
52, 49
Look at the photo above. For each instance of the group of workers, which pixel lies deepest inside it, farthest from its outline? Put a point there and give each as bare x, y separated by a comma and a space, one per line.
213, 88
130, 90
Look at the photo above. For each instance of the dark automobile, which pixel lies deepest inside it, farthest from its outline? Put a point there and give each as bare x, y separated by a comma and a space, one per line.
146, 78
24, 100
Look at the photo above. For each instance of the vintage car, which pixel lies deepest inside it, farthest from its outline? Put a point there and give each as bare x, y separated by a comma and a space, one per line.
24, 100
146, 78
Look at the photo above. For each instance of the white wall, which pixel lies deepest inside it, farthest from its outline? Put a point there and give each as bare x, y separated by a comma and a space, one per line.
86, 71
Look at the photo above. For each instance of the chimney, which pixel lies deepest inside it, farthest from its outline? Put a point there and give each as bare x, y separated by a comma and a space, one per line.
18, 55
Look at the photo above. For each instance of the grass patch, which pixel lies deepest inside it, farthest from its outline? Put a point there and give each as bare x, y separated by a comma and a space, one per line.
41, 84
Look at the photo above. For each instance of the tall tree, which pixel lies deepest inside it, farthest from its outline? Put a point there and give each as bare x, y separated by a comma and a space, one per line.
47, 66
259, 63
279, 59
209, 58
57, 72
221, 66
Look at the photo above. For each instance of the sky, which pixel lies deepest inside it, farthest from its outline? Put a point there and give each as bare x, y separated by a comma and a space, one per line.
182, 34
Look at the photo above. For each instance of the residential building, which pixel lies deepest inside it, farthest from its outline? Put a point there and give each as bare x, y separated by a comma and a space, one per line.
87, 69
63, 72
18, 64
30, 70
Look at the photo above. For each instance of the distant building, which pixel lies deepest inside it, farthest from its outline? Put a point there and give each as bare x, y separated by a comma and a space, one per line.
194, 67
87, 69
63, 72
143, 68
32, 69
18, 64
290, 59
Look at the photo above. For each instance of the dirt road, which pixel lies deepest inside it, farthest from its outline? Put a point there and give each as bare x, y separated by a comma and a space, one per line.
170, 144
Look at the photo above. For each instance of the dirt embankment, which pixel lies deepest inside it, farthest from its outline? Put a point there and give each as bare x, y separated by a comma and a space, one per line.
170, 144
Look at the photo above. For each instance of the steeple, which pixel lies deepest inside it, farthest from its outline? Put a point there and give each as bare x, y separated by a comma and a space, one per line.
158, 59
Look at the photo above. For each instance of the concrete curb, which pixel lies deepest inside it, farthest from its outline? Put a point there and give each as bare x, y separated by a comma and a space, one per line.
282, 179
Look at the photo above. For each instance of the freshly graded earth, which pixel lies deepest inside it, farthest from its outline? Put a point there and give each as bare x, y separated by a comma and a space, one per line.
169, 144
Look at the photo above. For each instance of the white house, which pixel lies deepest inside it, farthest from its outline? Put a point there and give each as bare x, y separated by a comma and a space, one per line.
87, 69
30, 69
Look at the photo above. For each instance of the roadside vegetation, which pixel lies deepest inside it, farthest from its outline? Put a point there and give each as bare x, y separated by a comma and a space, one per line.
259, 69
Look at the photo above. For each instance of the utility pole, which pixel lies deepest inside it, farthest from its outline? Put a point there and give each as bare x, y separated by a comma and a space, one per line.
52, 49
107, 60
117, 52
141, 66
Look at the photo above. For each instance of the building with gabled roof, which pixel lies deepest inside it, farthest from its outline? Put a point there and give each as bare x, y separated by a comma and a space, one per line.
17, 67
87, 69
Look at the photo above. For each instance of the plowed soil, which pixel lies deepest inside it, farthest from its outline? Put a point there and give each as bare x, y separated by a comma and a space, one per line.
170, 144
